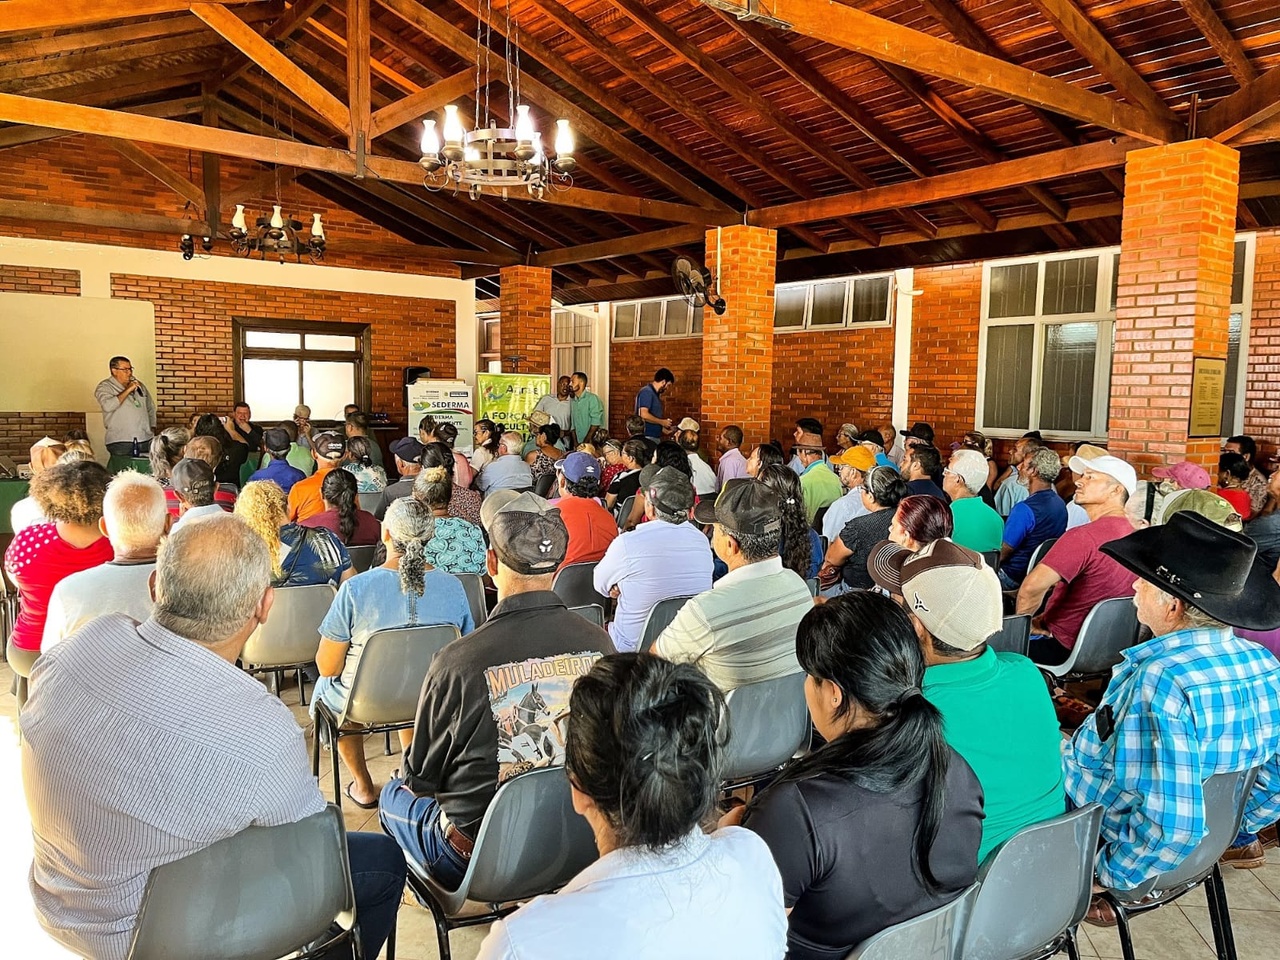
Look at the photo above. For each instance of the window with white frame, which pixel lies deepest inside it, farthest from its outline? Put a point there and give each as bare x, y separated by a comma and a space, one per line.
861, 301
281, 363
662, 318
1047, 332
570, 343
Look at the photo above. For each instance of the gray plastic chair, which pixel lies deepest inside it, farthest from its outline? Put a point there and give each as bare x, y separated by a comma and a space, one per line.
362, 557
624, 511
1038, 553
291, 636
1034, 889
1014, 635
1110, 628
263, 893
385, 690
992, 559
935, 935
474, 587
575, 585
592, 612
660, 616
812, 583
369, 502
543, 485
530, 842
768, 724
1225, 795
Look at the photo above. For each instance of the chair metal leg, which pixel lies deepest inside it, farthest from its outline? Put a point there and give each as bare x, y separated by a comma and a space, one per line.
1073, 950
442, 929
1122, 928
386, 751
302, 688
315, 746
1224, 940
337, 773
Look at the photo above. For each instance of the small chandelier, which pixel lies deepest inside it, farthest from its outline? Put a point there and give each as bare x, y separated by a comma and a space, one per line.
277, 235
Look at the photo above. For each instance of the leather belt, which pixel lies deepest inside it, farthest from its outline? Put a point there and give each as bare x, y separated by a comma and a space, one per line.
462, 844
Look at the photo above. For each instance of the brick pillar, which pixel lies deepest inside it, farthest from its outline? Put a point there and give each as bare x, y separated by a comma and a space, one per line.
737, 348
1174, 296
526, 318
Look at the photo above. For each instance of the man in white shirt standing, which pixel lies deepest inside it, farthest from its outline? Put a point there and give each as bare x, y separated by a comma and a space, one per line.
704, 478
666, 557
128, 410
134, 518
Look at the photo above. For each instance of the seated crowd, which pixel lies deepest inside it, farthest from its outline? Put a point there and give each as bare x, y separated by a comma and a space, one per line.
882, 573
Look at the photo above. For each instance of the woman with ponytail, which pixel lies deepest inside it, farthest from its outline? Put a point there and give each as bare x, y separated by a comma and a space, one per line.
643, 751
405, 591
342, 515
882, 822
299, 557
801, 546
358, 461
165, 451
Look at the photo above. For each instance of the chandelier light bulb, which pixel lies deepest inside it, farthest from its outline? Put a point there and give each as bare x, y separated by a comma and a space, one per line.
277, 221
536, 157
524, 124
471, 155
317, 228
453, 132
564, 138
237, 220
430, 144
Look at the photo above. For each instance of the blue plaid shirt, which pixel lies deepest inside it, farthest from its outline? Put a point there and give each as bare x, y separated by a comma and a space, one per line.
1186, 705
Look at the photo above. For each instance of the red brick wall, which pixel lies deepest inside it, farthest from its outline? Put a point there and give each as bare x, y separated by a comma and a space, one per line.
944, 350
1262, 394
48, 280
526, 317
19, 430
632, 364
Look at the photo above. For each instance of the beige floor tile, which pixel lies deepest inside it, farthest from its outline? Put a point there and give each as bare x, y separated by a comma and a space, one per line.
1257, 932
1164, 934
1245, 889
1269, 873
416, 937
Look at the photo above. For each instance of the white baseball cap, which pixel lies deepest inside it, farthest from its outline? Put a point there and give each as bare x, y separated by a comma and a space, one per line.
1113, 467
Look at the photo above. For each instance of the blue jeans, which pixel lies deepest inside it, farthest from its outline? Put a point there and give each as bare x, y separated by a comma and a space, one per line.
414, 822
377, 879
1007, 581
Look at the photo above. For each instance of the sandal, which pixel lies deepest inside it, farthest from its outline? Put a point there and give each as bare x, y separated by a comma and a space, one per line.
362, 806
1101, 913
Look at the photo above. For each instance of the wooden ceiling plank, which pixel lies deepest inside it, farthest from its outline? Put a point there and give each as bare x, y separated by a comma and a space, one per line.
626, 246
152, 165
339, 44
882, 39
1083, 34
82, 40
1219, 36
21, 16
299, 12
426, 100
359, 74
259, 49
1244, 109
98, 57
40, 212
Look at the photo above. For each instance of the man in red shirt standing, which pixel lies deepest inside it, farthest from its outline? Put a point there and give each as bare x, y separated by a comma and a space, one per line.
591, 527
1079, 575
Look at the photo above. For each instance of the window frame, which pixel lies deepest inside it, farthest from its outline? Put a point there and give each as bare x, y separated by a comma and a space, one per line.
697, 318
361, 357
1250, 241
846, 321
572, 344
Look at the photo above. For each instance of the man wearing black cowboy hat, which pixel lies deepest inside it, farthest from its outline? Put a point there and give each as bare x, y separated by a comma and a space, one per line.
1193, 701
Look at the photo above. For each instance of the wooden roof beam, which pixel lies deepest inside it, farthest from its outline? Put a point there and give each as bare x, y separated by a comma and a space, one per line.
1246, 108
169, 109
169, 177
626, 246
426, 100
359, 75
299, 12
21, 16
39, 212
1224, 44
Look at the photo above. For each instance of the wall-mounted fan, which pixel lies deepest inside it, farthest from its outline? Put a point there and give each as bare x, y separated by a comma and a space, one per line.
696, 284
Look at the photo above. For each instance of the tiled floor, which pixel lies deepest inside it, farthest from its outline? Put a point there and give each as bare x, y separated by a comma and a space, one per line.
1178, 932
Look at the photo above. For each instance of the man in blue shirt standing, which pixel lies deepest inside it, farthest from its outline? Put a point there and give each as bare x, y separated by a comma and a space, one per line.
1040, 517
1192, 702
649, 404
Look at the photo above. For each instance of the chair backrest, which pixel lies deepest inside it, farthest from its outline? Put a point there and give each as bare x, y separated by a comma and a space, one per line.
542, 486
992, 559
1014, 635
813, 585
768, 723
530, 841
264, 892
1109, 629
660, 616
292, 633
389, 676
624, 511
1225, 795
1038, 553
1034, 887
369, 502
935, 935
474, 587
575, 585
361, 557
818, 517
591, 611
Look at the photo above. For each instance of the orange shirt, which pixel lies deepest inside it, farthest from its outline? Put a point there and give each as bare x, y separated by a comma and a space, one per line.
304, 496
591, 529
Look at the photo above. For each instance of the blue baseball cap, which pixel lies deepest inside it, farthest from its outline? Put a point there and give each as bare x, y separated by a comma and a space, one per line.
577, 466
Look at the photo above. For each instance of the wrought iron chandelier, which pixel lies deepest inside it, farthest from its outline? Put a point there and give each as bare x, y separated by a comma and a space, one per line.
277, 235
490, 155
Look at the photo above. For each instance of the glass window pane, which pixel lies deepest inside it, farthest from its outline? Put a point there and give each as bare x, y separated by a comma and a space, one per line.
828, 304
677, 323
563, 366
324, 341
582, 359
1237, 274
696, 327
493, 336
271, 388
1229, 425
1007, 395
273, 341
1071, 286
1013, 291
650, 318
788, 306
328, 386
1066, 386
871, 300
581, 328
624, 320
1115, 279
562, 327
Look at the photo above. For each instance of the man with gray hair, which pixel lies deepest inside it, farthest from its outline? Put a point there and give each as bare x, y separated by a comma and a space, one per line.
144, 743
1040, 517
134, 518
507, 471
975, 525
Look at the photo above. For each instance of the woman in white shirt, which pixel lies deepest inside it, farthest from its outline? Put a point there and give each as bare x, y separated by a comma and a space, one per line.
642, 754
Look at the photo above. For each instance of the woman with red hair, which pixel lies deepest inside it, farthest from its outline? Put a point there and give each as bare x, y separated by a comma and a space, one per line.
918, 521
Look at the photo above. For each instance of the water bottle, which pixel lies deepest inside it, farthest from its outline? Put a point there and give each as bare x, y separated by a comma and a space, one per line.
136, 451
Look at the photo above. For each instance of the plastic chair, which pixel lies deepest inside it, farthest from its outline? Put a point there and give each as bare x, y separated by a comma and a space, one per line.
1110, 628
1225, 795
575, 585
818, 517
474, 587
935, 935
369, 502
768, 725
1034, 889
624, 511
544, 484
660, 616
291, 636
277, 890
813, 585
1014, 635
1038, 553
992, 559
385, 690
592, 612
530, 842
361, 557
